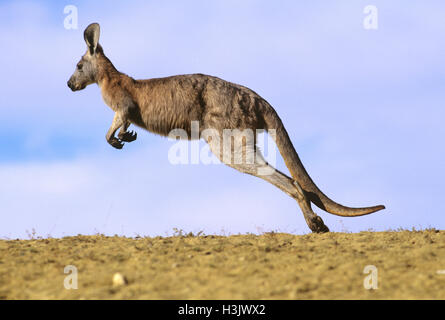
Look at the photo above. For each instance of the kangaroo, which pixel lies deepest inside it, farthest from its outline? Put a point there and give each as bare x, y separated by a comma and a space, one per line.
161, 105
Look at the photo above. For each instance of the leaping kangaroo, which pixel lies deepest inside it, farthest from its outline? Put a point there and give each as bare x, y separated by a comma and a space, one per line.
164, 104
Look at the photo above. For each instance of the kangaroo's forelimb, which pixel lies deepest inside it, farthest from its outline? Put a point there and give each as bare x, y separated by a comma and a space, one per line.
120, 121
117, 123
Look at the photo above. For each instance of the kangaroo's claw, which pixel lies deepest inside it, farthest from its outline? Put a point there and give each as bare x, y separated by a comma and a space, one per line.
128, 136
116, 143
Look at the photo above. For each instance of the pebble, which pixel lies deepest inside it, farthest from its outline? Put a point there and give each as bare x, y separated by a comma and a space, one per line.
119, 280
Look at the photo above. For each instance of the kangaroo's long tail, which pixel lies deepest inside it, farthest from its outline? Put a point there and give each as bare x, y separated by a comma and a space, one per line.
299, 173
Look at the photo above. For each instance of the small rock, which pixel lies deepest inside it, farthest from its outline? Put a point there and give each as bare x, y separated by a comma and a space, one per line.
119, 280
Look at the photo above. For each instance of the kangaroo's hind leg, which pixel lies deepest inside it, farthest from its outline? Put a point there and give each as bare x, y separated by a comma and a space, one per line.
291, 187
257, 166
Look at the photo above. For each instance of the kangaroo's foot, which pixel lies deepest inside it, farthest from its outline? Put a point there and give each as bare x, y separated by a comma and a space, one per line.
314, 222
127, 136
317, 225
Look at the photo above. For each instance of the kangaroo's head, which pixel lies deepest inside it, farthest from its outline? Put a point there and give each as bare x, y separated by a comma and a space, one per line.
87, 68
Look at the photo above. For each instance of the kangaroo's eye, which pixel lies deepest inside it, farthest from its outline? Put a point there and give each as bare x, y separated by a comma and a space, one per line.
79, 66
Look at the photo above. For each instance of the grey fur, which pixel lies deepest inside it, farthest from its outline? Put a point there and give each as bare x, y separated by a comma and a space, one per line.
163, 104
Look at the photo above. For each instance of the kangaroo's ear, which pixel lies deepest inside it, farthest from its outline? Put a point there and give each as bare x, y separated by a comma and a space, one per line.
91, 36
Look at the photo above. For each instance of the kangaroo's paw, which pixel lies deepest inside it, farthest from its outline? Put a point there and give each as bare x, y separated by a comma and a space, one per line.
317, 225
116, 143
128, 136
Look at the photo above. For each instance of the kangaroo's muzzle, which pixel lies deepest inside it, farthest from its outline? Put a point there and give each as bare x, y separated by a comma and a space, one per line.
73, 86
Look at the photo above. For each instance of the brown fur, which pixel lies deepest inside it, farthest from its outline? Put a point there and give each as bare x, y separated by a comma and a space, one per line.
164, 104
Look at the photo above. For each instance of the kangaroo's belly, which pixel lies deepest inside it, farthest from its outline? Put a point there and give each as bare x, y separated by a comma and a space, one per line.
168, 121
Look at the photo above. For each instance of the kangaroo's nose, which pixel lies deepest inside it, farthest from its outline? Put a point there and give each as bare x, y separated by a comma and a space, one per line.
70, 85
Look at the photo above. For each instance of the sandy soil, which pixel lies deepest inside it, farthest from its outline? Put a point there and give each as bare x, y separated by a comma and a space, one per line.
270, 266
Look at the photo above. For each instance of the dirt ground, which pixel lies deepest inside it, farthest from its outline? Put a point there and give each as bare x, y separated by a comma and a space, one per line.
408, 265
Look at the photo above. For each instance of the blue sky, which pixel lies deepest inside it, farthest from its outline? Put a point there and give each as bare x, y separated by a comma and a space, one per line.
364, 109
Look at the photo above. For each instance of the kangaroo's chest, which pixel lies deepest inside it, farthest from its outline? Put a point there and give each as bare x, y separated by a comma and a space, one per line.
113, 100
